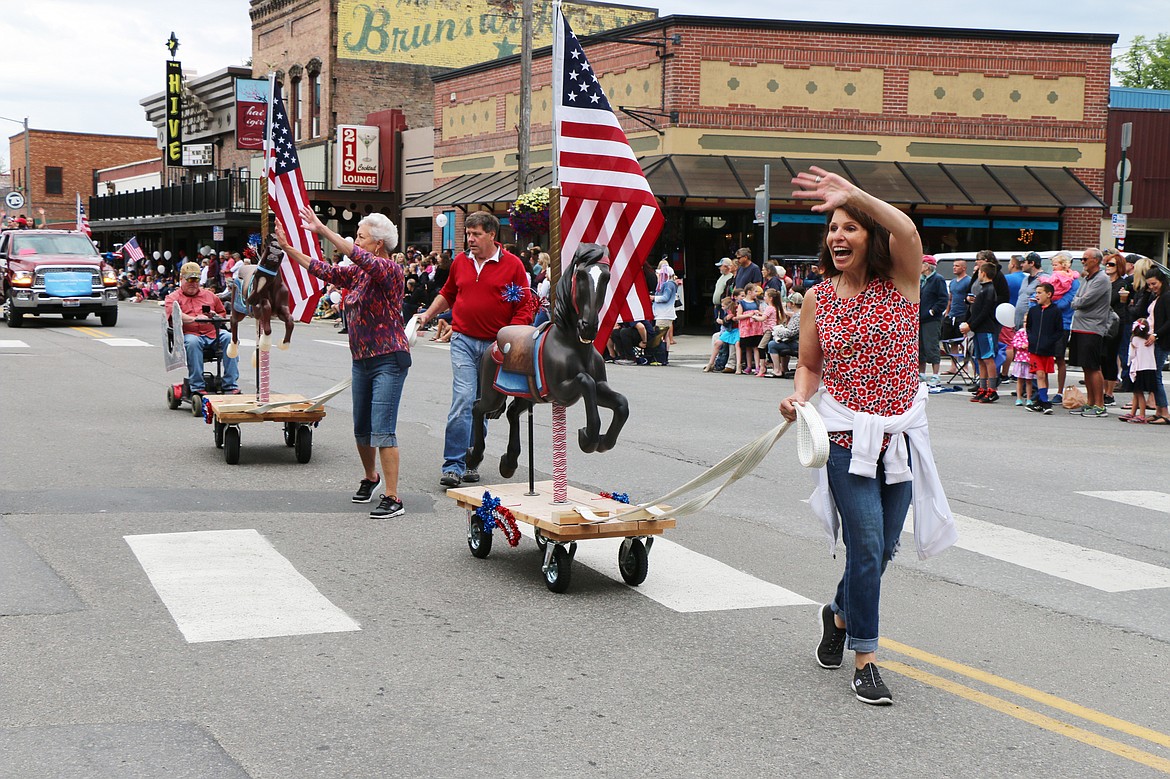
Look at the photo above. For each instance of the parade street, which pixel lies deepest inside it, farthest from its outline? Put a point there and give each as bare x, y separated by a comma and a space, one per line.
132, 557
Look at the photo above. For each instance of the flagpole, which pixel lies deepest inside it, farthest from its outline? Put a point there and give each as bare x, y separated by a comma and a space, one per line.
560, 426
262, 354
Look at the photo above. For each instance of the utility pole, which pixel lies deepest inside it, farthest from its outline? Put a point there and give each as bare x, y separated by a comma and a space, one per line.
27, 171
525, 127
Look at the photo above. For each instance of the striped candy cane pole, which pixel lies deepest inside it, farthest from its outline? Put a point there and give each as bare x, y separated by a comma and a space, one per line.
560, 454
262, 383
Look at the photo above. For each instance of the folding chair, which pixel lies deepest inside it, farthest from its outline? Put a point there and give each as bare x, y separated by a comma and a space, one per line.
959, 350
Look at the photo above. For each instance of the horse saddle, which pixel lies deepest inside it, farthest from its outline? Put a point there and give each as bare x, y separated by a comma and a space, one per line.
517, 355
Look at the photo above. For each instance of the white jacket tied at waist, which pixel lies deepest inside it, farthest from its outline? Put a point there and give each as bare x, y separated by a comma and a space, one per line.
934, 525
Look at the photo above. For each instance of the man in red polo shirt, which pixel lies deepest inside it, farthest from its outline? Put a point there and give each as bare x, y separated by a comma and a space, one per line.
196, 303
487, 289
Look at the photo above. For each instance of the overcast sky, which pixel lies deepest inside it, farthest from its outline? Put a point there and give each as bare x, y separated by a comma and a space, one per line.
83, 65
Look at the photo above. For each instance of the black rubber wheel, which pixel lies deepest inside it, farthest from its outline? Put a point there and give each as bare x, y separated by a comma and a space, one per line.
231, 445
15, 318
290, 433
633, 561
304, 445
196, 405
218, 428
173, 400
560, 570
479, 541
541, 541
109, 318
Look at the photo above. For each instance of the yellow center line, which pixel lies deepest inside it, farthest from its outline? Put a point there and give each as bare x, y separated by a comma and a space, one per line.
1031, 717
93, 332
1030, 693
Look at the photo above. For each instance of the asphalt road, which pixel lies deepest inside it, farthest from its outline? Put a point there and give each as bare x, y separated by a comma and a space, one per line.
1038, 647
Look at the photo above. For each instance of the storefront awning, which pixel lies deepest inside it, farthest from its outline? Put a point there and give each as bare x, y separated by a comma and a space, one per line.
735, 178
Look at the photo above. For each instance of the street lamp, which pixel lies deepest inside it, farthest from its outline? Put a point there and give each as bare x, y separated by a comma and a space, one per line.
27, 163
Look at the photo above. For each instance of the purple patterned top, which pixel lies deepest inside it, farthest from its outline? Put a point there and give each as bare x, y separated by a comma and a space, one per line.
373, 302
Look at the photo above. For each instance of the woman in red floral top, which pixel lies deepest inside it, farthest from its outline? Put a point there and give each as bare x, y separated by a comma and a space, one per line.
858, 336
377, 340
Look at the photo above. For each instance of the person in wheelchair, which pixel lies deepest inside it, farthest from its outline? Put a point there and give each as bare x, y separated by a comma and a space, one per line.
199, 332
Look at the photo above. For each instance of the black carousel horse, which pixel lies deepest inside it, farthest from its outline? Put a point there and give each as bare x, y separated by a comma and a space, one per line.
260, 293
556, 362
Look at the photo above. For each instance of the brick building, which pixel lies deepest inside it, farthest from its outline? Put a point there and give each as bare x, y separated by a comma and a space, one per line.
370, 62
65, 164
1148, 161
990, 139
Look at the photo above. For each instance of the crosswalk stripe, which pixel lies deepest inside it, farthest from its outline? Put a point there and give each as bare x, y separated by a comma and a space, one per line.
122, 342
332, 343
686, 581
1089, 567
1143, 499
13, 345
225, 585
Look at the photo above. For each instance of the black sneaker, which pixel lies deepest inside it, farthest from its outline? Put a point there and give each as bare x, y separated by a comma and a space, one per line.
991, 396
1047, 408
471, 476
365, 490
832, 646
450, 479
869, 687
1110, 400
388, 508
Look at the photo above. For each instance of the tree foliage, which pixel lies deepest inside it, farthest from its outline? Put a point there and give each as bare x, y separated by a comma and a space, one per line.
1146, 63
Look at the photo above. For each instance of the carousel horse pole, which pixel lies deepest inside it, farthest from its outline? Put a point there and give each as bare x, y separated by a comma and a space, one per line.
559, 416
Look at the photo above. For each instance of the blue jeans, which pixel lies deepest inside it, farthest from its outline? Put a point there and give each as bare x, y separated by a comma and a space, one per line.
872, 514
465, 356
377, 391
1159, 387
195, 345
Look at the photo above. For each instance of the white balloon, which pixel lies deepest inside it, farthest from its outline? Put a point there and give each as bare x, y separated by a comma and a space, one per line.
161, 270
156, 255
1005, 314
167, 254
335, 297
441, 220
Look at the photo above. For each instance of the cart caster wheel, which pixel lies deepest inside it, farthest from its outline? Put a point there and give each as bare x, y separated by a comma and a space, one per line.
218, 428
290, 434
479, 541
559, 572
541, 541
231, 445
633, 561
304, 444
196, 405
173, 399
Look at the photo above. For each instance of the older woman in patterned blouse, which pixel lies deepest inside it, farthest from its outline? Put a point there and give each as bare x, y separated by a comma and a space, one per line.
859, 337
377, 342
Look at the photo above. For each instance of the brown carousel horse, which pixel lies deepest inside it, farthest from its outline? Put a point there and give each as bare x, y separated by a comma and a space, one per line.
556, 363
259, 292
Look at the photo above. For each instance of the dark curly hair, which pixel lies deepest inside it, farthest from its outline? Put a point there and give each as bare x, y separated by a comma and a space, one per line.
877, 249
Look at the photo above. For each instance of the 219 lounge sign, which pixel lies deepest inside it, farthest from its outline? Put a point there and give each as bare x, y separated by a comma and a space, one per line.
357, 156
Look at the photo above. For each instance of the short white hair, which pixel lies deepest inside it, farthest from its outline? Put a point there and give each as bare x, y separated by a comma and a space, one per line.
381, 229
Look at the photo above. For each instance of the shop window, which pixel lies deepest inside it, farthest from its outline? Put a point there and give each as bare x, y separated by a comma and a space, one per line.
315, 106
1024, 235
53, 180
944, 235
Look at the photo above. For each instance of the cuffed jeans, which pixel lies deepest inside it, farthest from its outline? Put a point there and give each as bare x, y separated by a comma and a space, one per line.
465, 356
872, 515
377, 392
195, 346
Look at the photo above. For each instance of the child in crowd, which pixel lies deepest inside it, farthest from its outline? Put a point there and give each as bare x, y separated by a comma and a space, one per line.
1143, 371
1062, 276
767, 316
728, 334
1043, 326
751, 328
1021, 367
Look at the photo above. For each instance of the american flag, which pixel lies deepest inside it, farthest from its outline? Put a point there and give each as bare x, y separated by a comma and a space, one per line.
131, 250
286, 195
82, 219
605, 199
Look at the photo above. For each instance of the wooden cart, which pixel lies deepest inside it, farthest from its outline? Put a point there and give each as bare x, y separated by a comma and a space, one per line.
227, 412
559, 526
